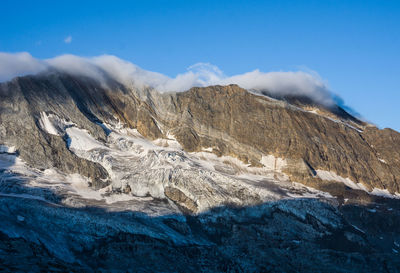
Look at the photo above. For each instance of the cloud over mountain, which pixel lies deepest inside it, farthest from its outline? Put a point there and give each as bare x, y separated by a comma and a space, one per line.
297, 83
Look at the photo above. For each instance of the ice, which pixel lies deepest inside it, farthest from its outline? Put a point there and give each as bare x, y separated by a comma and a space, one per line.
81, 140
147, 167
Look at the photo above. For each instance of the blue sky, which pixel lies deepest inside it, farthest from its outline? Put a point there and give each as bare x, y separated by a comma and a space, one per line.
353, 45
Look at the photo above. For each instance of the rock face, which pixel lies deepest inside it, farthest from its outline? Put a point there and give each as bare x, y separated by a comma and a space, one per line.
219, 170
235, 122
20, 107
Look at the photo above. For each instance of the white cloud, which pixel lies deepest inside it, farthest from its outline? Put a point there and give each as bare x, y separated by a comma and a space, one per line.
68, 39
284, 83
202, 74
18, 64
74, 65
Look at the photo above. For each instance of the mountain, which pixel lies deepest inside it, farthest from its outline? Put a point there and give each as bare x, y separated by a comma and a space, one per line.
97, 175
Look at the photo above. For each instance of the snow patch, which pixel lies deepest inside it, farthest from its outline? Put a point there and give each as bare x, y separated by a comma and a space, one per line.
52, 124
47, 125
384, 193
272, 163
331, 176
7, 149
169, 142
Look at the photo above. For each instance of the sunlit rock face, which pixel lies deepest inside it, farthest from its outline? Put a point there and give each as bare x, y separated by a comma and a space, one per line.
101, 176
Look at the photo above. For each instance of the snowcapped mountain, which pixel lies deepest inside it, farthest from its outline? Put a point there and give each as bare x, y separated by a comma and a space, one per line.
102, 175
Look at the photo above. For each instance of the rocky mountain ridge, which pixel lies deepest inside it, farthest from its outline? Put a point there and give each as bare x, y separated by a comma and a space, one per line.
227, 119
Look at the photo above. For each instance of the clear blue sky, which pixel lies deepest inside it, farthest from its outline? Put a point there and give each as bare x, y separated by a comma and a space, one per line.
354, 45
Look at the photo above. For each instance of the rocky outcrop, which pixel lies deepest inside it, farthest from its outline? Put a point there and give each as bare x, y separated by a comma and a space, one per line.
180, 198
